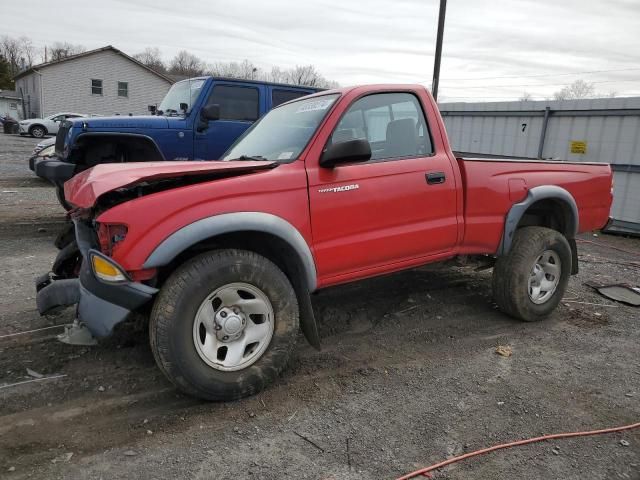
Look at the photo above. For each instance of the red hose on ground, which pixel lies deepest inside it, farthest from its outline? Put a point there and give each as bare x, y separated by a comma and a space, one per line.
425, 470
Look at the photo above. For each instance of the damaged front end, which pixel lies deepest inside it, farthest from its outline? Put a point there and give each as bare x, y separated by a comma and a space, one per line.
81, 276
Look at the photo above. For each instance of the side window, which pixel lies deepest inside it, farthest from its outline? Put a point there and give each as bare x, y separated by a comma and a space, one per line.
58, 118
236, 103
283, 96
393, 123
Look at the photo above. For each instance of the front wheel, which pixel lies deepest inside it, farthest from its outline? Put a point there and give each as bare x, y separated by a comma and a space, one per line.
529, 282
224, 324
38, 131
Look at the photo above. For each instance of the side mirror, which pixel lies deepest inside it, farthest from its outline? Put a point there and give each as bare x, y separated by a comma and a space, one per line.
184, 107
346, 152
152, 109
210, 112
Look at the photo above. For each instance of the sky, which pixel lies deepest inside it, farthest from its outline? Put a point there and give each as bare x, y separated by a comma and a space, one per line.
493, 50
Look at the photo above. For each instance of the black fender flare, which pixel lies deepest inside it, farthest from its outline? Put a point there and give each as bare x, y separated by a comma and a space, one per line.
139, 136
542, 192
209, 227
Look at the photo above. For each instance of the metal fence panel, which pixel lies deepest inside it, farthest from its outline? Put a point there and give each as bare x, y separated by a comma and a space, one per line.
589, 130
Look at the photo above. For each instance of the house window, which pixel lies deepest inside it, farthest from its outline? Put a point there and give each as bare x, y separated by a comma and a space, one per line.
96, 87
123, 89
13, 106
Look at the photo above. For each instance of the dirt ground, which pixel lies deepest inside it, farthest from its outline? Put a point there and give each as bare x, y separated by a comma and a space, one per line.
407, 377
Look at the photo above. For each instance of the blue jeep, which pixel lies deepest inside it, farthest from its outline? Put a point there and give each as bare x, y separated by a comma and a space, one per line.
198, 119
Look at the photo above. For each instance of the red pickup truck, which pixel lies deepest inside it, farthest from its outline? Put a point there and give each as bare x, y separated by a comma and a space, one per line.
331, 188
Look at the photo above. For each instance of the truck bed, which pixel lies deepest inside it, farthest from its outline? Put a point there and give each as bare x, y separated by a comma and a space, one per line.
493, 185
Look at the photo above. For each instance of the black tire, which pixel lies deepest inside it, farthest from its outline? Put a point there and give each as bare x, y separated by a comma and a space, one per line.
61, 198
172, 319
38, 131
511, 273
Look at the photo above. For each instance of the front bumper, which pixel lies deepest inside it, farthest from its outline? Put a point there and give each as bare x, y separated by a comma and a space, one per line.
23, 129
53, 169
101, 305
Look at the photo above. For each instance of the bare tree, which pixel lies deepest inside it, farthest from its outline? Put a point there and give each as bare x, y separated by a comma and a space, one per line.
11, 50
60, 50
152, 58
578, 89
187, 64
244, 69
526, 97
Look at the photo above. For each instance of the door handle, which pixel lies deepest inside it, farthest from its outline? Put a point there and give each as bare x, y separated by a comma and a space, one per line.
435, 178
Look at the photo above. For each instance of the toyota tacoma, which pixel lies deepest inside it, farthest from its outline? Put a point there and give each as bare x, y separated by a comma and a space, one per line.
222, 257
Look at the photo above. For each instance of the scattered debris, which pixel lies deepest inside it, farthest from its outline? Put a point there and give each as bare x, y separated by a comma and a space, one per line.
51, 377
30, 331
555, 450
504, 350
11, 469
624, 443
310, 441
101, 388
130, 453
34, 374
149, 432
620, 292
291, 417
62, 458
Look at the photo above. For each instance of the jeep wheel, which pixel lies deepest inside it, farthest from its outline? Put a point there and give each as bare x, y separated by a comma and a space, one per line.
61, 198
529, 282
37, 131
224, 324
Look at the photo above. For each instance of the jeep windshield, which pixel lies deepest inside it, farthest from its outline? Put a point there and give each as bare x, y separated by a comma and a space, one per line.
186, 91
283, 132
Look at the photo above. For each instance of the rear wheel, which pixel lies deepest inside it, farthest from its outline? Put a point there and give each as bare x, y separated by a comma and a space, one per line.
38, 131
529, 282
224, 324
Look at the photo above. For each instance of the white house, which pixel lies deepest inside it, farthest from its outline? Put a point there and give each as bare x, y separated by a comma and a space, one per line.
104, 81
10, 104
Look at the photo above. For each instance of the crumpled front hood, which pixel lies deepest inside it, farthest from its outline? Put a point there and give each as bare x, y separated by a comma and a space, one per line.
85, 188
122, 121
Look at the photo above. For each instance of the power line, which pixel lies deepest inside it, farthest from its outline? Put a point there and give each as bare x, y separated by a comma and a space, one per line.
541, 75
537, 84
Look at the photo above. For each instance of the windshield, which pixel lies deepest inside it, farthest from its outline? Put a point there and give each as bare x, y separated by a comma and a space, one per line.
186, 91
283, 132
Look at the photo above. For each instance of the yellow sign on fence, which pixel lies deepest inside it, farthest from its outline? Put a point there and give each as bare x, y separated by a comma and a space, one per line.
578, 146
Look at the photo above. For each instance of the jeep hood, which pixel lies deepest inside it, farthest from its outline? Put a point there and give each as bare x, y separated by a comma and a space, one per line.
122, 121
84, 189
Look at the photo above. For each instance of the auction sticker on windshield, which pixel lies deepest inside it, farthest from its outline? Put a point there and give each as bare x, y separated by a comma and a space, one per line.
322, 104
196, 84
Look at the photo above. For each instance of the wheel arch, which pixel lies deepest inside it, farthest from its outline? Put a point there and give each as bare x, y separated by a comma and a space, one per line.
129, 140
222, 228
266, 234
545, 206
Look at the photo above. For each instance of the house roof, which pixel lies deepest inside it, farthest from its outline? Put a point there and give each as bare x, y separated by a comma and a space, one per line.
35, 68
13, 95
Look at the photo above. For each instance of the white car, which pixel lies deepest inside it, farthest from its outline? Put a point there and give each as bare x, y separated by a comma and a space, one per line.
39, 127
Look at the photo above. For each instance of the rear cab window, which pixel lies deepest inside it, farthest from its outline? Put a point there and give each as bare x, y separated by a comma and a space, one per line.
236, 102
394, 124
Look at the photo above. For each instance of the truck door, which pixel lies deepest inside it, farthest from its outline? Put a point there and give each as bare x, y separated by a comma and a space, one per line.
398, 206
240, 106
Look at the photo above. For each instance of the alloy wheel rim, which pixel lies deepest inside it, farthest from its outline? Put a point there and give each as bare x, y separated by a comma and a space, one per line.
544, 277
233, 326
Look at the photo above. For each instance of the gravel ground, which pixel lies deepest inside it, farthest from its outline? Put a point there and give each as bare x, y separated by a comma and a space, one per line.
407, 377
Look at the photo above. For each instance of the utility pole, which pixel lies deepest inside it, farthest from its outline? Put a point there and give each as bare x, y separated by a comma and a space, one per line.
436, 62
